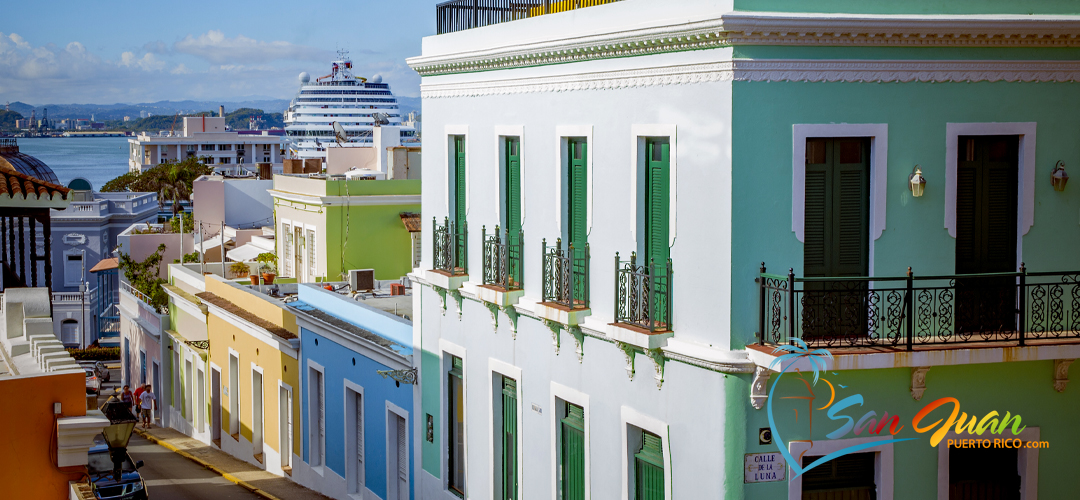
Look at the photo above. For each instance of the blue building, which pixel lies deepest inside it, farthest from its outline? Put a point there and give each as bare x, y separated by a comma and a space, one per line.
359, 389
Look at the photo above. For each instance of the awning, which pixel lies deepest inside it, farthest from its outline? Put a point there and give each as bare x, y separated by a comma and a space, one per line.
209, 243
244, 253
104, 264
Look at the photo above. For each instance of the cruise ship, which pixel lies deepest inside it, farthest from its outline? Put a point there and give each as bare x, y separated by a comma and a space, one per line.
356, 103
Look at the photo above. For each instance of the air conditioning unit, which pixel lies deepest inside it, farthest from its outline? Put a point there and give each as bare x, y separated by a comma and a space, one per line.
361, 280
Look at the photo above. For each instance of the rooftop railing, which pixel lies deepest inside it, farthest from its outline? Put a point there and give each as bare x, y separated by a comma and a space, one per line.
912, 311
458, 15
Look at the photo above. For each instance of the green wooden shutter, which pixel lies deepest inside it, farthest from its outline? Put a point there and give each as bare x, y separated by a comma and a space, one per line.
649, 468
836, 223
509, 445
513, 186
456, 422
578, 197
657, 201
459, 180
572, 464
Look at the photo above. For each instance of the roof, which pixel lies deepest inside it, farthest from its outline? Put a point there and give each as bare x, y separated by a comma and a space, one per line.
215, 300
16, 186
347, 326
106, 264
411, 221
244, 252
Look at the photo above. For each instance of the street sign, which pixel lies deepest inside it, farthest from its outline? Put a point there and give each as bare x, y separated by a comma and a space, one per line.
764, 467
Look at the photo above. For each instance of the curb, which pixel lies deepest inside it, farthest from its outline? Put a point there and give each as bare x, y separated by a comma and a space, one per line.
231, 478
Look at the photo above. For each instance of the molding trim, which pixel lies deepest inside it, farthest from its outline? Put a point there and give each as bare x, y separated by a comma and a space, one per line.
760, 28
773, 70
348, 201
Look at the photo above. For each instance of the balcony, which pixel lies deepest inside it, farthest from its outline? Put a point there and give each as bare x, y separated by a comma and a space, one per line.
450, 252
913, 313
458, 15
503, 266
643, 295
565, 283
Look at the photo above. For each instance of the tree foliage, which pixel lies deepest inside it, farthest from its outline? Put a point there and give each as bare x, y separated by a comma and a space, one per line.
143, 276
172, 181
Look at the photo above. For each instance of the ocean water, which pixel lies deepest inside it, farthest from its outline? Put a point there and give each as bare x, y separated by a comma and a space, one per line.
97, 159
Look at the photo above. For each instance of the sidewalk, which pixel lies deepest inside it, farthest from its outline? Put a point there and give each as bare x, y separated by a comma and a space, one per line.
242, 473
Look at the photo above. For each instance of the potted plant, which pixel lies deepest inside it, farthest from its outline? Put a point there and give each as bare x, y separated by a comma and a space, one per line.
268, 262
240, 269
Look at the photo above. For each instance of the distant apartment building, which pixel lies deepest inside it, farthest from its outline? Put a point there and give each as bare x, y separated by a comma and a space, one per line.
206, 138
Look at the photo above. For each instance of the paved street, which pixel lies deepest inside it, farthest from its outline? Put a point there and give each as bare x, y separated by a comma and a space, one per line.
170, 476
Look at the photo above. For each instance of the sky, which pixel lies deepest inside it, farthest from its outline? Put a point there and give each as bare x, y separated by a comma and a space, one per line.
105, 52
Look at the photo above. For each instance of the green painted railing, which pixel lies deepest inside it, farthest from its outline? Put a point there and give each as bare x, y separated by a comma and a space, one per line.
458, 15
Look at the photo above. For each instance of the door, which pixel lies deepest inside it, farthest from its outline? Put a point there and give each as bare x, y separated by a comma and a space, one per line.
200, 405
577, 213
657, 232
984, 474
359, 431
397, 462
572, 465
649, 468
460, 187
69, 332
298, 252
257, 415
127, 362
512, 212
215, 406
986, 200
849, 477
285, 426
836, 236
509, 440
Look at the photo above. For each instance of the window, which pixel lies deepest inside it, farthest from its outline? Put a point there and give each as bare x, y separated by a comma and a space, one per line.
142, 368
69, 332
459, 195
73, 269
257, 412
224, 147
657, 202
455, 441
266, 148
850, 477
312, 261
317, 407
209, 160
287, 250
266, 159
226, 161
207, 147
512, 190
648, 466
240, 148
191, 148
577, 198
234, 395
571, 451
355, 436
505, 419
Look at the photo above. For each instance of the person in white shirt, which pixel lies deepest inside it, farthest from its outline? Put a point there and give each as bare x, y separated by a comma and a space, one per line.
146, 400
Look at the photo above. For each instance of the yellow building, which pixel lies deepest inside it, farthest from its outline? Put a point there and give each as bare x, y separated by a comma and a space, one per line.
252, 395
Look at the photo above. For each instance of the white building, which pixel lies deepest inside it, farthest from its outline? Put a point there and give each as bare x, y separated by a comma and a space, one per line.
208, 139
609, 382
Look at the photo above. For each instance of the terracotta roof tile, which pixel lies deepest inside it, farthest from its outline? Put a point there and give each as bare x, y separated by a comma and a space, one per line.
411, 221
14, 183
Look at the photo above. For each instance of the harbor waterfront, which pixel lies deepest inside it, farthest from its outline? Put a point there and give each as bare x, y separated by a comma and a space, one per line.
97, 159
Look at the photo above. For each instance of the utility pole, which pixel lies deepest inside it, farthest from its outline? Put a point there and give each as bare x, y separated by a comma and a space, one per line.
83, 285
202, 254
222, 235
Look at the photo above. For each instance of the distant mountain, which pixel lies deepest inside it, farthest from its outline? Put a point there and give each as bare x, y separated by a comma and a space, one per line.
105, 112
7, 119
236, 120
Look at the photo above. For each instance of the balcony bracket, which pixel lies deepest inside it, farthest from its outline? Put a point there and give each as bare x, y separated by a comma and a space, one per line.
512, 314
555, 328
657, 357
494, 310
1061, 373
918, 381
628, 353
442, 297
456, 294
759, 392
579, 339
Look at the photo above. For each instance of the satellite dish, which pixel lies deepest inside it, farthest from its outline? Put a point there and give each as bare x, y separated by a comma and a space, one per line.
339, 133
376, 79
305, 77
380, 119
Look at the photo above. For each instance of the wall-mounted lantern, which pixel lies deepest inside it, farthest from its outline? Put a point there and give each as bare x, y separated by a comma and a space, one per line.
1058, 177
916, 182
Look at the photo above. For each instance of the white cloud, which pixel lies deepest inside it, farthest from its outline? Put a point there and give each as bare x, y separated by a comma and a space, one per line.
148, 62
215, 47
180, 69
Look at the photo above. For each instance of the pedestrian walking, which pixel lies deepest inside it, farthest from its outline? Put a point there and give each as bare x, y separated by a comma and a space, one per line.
147, 399
127, 397
136, 402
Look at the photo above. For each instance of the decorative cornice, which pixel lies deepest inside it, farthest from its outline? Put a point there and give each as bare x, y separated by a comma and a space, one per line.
756, 28
791, 70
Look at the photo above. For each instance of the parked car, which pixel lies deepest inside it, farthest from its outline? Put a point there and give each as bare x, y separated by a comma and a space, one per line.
99, 369
104, 482
93, 383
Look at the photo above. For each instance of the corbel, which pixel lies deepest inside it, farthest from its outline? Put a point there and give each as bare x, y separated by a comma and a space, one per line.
657, 357
918, 381
628, 351
494, 310
1061, 373
759, 393
512, 314
579, 339
555, 328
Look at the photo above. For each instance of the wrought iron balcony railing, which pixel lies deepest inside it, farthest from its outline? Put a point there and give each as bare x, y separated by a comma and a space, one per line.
911, 311
643, 293
451, 249
457, 15
503, 266
566, 275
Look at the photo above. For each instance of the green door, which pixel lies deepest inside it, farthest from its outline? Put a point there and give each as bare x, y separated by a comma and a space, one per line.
657, 201
836, 235
455, 407
986, 198
509, 443
572, 464
578, 194
512, 211
649, 468
459, 200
